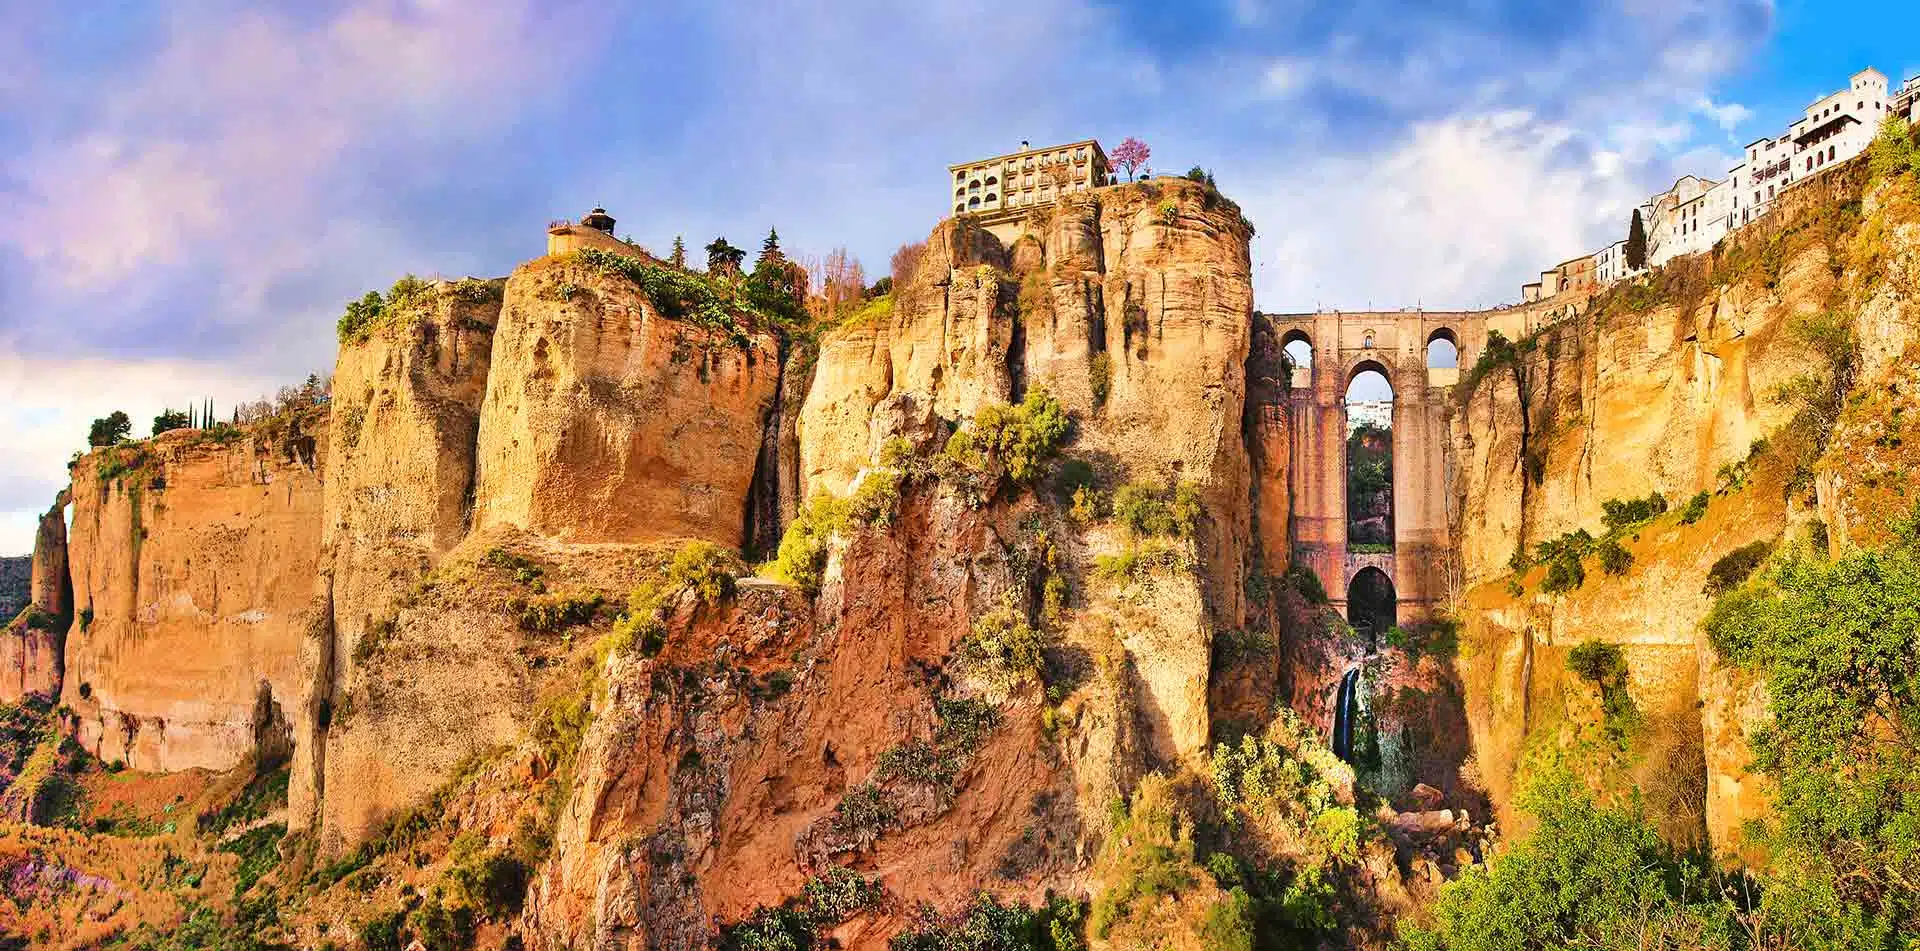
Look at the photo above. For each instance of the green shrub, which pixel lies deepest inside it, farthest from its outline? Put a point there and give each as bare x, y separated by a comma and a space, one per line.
1148, 512
991, 925
1735, 566
877, 499
1302, 579
802, 558
864, 810
1615, 559
493, 883
1004, 648
712, 302
705, 568
1100, 377
1833, 642
1136, 562
259, 851
522, 569
1619, 514
555, 613
1605, 666
1587, 877
1696, 508
1015, 441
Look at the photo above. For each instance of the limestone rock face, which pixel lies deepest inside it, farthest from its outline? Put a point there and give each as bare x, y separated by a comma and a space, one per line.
605, 421
193, 567
406, 402
1624, 400
704, 791
945, 351
1133, 305
33, 639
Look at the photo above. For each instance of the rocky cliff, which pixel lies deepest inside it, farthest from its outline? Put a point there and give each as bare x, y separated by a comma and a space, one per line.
1705, 381
193, 559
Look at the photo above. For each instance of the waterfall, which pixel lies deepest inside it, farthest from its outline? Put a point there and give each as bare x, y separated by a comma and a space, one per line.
1345, 704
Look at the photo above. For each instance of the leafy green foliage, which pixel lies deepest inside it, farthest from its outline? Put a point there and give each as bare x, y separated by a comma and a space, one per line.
964, 725
1302, 579
1004, 648
552, 614
703, 567
832, 897
168, 420
1732, 568
802, 558
264, 793
864, 811
1149, 512
109, 429
991, 925
1100, 377
718, 300
1893, 152
1619, 514
259, 851
1012, 441
1696, 508
1588, 877
1615, 559
372, 310
1603, 665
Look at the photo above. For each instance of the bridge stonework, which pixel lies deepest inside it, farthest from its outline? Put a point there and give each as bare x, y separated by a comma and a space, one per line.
1395, 344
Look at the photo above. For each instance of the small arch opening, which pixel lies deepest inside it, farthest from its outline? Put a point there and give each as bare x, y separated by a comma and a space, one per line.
1369, 460
1298, 349
1372, 608
1443, 358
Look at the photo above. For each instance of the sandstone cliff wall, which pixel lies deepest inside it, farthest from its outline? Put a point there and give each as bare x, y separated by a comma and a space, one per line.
193, 567
605, 421
1133, 305
406, 405
1664, 387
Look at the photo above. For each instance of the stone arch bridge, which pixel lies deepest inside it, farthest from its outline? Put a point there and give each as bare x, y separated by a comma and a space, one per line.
1394, 343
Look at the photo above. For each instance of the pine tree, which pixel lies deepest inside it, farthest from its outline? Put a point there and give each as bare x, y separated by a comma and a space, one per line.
679, 256
1636, 243
769, 250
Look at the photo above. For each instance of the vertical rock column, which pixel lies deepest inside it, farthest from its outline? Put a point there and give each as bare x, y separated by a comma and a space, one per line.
32, 646
406, 409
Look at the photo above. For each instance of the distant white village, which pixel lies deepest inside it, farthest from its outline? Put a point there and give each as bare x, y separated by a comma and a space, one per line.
1697, 212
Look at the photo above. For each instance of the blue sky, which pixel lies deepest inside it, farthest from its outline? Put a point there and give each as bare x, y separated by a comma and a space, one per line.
190, 190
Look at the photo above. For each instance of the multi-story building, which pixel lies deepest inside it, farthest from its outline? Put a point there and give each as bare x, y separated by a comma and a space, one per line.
1610, 264
1906, 102
1001, 190
1693, 215
1679, 213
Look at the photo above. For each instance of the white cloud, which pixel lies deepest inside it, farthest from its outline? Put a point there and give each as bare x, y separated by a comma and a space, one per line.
1727, 116
1283, 78
1432, 222
219, 151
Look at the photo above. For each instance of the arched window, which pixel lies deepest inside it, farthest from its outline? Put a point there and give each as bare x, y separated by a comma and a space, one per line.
959, 208
991, 197
993, 180
973, 202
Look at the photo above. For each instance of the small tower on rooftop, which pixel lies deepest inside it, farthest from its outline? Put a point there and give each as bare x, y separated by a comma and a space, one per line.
599, 220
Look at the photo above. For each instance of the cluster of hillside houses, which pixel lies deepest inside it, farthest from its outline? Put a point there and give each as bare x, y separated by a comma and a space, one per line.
1697, 212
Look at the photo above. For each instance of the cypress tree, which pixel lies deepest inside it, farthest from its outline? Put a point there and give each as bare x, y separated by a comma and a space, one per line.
1636, 243
679, 256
